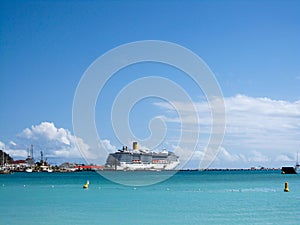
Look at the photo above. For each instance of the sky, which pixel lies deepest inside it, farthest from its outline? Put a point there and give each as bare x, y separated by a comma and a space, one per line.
252, 47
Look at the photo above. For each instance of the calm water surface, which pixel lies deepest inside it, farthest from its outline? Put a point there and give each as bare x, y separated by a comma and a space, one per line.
224, 197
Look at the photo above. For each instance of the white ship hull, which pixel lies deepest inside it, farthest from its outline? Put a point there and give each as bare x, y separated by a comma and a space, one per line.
148, 166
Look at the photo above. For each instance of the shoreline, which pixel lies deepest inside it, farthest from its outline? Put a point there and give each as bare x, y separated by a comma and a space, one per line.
181, 170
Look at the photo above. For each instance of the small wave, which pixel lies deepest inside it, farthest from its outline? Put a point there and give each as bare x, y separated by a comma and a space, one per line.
252, 190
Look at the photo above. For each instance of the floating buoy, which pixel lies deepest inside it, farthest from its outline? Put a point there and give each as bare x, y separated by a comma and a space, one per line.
286, 187
86, 185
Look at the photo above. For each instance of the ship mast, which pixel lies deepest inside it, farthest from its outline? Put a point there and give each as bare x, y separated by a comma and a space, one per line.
3, 159
42, 157
31, 151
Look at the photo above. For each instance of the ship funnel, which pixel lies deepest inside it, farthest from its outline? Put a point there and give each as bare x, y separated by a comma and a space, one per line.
135, 146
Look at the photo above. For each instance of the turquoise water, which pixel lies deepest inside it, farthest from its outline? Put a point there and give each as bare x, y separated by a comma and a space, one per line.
224, 197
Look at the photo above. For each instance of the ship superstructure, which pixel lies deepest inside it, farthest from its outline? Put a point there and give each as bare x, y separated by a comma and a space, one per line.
137, 159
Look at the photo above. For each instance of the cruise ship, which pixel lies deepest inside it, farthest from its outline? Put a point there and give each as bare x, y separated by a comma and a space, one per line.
137, 159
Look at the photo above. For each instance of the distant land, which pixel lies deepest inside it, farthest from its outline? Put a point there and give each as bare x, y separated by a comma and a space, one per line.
8, 163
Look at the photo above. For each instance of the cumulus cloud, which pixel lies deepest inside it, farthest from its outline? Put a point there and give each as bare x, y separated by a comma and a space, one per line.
108, 146
56, 143
47, 131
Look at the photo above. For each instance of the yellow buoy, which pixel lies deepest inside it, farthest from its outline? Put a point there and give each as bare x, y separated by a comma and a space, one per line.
86, 185
286, 187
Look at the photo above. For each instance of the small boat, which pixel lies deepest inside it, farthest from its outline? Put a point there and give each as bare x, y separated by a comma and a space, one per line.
29, 170
5, 171
49, 170
291, 170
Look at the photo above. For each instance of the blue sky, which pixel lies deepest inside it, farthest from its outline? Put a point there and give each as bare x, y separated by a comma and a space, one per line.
251, 46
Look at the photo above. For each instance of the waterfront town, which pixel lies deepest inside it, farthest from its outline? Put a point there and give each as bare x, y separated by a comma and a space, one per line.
30, 164
9, 165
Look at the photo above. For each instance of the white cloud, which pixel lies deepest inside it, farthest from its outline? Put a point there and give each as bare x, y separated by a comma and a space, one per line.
13, 152
285, 158
256, 156
221, 159
47, 131
2, 145
262, 113
56, 143
108, 146
230, 159
269, 126
19, 153
225, 155
12, 143
245, 114
257, 129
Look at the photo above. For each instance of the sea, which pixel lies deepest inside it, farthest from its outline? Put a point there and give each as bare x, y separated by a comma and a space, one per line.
188, 197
